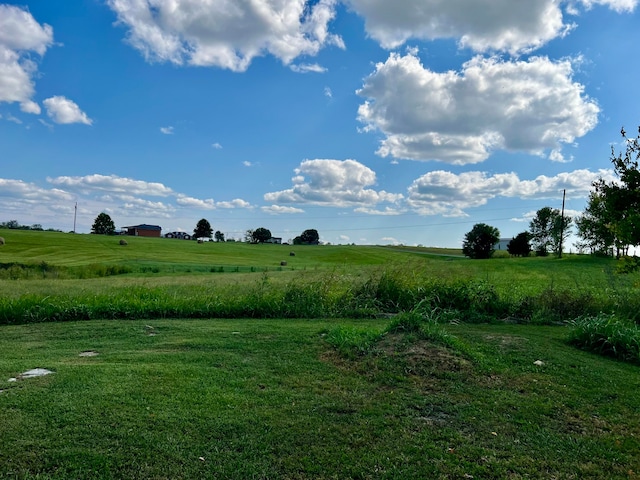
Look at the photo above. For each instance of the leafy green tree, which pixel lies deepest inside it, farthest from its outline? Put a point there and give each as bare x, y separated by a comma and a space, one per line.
103, 225
594, 225
560, 233
261, 235
308, 237
12, 224
219, 236
519, 245
549, 230
480, 241
612, 216
203, 229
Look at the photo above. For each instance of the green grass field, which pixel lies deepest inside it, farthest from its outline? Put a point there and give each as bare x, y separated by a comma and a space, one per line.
215, 361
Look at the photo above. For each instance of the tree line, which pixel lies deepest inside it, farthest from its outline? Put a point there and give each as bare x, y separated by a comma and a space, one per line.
610, 224
103, 225
15, 225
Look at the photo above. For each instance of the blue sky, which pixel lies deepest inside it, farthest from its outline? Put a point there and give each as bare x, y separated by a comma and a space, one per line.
374, 122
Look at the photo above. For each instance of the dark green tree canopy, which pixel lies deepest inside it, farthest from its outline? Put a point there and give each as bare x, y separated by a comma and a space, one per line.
519, 245
261, 235
308, 237
203, 229
612, 216
103, 225
480, 241
549, 230
219, 236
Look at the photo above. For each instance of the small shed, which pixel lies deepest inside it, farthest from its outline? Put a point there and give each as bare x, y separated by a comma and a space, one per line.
144, 230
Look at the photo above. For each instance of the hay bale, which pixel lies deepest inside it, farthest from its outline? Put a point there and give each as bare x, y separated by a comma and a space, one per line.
1, 241
123, 242
292, 254
283, 264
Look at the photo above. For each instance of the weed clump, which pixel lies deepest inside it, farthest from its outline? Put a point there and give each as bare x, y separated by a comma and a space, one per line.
607, 335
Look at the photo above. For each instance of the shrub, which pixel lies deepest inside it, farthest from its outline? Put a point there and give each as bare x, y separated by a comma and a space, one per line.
627, 264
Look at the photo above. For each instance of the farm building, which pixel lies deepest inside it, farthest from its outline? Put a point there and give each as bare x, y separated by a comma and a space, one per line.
144, 230
276, 240
502, 244
178, 235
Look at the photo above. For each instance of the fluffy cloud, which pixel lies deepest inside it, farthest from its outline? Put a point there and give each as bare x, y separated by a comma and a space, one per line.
226, 34
235, 203
617, 5
279, 209
333, 183
112, 183
166, 130
461, 117
505, 25
209, 204
20, 34
185, 201
31, 192
445, 193
142, 207
64, 111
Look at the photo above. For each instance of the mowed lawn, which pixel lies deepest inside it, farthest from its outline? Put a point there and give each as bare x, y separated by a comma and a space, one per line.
272, 399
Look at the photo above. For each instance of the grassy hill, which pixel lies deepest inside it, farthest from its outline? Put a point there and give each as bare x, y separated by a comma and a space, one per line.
215, 361
63, 249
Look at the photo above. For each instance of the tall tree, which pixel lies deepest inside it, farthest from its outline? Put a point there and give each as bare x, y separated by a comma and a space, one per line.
613, 211
595, 225
480, 241
261, 235
219, 236
560, 232
103, 225
203, 229
549, 230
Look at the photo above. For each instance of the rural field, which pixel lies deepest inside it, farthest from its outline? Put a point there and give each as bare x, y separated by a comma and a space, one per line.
173, 359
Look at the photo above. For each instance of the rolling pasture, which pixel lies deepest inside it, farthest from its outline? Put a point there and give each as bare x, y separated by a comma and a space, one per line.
217, 361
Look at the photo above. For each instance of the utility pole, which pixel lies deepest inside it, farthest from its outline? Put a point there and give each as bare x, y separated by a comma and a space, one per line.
75, 214
564, 193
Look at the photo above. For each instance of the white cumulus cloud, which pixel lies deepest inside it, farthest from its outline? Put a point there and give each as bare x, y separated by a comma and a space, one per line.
20, 34
504, 25
449, 194
460, 117
65, 111
279, 209
186, 201
333, 183
226, 34
235, 203
112, 183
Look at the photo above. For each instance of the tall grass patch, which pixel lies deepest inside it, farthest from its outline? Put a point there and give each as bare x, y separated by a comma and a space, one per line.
607, 335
